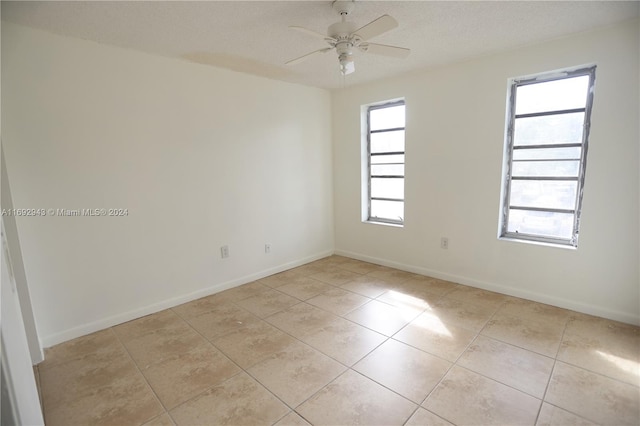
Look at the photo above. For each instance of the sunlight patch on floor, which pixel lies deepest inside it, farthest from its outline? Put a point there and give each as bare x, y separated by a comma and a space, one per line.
432, 323
404, 300
626, 365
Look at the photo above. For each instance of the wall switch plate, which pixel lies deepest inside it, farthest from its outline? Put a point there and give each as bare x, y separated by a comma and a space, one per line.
444, 243
267, 248
224, 252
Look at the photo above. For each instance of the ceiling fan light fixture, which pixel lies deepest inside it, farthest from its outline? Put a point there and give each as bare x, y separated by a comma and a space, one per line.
347, 66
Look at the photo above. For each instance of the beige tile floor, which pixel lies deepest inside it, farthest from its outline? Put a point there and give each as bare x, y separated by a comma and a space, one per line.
344, 342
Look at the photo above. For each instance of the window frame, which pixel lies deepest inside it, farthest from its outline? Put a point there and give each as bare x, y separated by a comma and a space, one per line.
506, 206
369, 108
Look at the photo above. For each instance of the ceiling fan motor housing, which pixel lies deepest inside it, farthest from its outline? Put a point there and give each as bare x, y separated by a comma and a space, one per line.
341, 29
343, 41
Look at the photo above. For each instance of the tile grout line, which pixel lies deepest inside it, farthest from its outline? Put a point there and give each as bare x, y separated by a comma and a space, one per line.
317, 392
455, 363
513, 344
347, 367
135, 364
264, 387
509, 344
555, 362
600, 374
292, 409
337, 317
241, 370
585, 368
558, 361
317, 349
167, 411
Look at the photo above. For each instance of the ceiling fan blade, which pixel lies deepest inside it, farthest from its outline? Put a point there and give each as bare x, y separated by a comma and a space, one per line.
385, 50
307, 56
375, 28
308, 32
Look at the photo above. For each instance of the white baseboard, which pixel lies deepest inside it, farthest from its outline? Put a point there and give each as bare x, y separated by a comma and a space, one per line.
104, 323
111, 321
509, 291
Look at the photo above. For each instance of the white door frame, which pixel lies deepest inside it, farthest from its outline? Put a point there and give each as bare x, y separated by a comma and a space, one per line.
16, 359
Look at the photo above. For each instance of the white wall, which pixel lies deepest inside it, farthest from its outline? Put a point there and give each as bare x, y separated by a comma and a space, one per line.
200, 157
454, 144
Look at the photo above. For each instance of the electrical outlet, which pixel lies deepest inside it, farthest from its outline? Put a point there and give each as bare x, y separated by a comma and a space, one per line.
444, 243
267, 248
224, 252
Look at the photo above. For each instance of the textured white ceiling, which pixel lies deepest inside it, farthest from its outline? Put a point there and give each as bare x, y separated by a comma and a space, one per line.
253, 36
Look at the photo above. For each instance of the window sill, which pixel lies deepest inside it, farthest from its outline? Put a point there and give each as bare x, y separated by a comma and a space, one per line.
538, 243
393, 225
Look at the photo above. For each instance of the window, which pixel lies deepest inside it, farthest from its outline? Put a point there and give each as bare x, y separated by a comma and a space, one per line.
546, 155
385, 162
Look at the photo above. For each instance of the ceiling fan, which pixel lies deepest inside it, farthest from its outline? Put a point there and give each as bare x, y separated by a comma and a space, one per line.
345, 36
